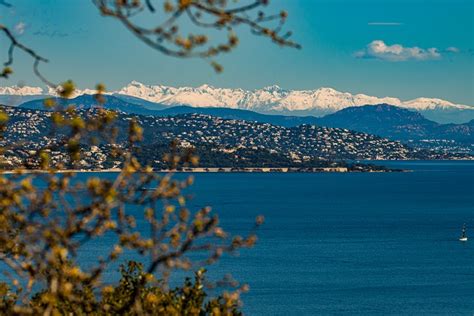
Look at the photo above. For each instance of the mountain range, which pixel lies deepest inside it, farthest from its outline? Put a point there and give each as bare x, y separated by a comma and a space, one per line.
269, 100
383, 120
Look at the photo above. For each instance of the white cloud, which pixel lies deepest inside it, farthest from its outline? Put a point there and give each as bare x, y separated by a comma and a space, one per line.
379, 50
20, 28
452, 50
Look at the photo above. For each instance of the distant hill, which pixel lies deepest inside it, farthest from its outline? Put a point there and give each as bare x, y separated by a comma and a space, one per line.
384, 120
141, 102
235, 114
87, 101
14, 100
460, 132
397, 123
132, 105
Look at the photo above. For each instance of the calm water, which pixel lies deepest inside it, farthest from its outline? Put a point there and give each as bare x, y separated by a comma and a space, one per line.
358, 244
352, 243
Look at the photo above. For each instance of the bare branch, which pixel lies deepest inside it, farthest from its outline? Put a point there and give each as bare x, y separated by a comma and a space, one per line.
14, 43
167, 37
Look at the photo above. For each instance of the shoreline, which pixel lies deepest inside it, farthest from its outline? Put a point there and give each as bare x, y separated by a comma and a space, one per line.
213, 170
40, 171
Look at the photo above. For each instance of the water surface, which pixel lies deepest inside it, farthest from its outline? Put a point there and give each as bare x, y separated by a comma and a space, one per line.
383, 243
355, 244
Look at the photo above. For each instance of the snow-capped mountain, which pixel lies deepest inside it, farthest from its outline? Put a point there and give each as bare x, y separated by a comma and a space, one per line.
21, 90
78, 92
272, 99
16, 95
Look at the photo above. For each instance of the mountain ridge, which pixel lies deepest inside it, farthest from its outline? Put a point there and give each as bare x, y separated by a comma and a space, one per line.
271, 100
382, 120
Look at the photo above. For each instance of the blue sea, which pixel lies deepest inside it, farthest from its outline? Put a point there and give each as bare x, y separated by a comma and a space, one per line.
348, 244
354, 244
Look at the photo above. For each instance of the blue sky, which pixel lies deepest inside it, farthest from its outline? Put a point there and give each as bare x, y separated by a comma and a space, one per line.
347, 45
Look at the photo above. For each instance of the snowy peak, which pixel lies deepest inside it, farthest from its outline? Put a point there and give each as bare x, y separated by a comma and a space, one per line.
77, 92
274, 98
21, 90
139, 90
431, 104
268, 99
273, 89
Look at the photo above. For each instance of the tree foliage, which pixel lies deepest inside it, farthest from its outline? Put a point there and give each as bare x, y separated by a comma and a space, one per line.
48, 218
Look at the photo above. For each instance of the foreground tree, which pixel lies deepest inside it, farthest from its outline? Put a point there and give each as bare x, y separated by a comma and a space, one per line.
48, 219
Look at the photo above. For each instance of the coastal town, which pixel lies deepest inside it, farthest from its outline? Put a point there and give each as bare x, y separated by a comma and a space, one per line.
220, 144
